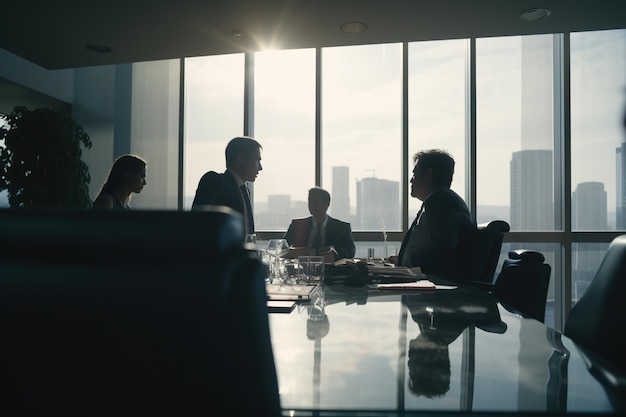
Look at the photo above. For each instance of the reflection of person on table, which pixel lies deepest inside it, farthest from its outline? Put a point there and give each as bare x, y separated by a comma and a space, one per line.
127, 176
320, 230
243, 163
442, 318
433, 239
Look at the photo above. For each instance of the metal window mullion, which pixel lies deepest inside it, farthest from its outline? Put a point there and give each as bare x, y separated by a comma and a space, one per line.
248, 95
566, 290
318, 117
405, 136
181, 135
470, 134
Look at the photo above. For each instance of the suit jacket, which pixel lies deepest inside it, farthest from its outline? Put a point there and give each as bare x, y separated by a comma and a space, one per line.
221, 190
338, 235
433, 242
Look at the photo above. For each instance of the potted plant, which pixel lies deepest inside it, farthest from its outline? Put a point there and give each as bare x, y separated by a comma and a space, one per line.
40, 158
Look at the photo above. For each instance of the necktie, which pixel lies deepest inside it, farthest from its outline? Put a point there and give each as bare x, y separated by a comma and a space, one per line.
249, 220
317, 239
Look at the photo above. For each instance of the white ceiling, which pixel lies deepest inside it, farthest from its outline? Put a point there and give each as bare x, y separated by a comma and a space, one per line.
53, 33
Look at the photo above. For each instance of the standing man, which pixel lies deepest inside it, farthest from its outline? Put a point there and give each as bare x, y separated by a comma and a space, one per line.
320, 232
432, 242
243, 163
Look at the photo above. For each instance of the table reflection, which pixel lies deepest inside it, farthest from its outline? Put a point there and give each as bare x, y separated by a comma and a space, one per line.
458, 351
442, 318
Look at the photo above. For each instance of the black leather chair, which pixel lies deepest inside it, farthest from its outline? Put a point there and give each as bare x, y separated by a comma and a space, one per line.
596, 321
137, 313
523, 282
480, 252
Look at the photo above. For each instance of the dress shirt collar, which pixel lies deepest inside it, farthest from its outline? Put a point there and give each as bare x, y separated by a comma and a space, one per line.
443, 187
238, 180
316, 224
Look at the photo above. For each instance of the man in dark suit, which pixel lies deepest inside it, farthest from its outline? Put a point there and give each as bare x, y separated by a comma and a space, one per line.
435, 236
320, 232
243, 163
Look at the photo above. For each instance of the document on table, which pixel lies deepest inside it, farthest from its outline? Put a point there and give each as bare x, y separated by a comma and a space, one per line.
421, 285
400, 271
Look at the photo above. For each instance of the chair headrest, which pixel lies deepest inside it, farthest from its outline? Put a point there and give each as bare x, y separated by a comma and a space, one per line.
526, 255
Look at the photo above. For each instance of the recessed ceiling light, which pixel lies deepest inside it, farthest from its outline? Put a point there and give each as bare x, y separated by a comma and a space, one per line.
237, 34
354, 27
99, 48
534, 15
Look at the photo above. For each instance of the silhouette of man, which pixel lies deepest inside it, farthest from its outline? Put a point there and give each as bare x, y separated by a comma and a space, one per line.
434, 237
243, 163
320, 232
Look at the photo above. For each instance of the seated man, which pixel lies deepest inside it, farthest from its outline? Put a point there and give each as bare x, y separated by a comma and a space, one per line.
433, 240
320, 232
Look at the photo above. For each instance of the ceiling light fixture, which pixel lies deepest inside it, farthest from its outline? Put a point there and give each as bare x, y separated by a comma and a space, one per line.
98, 48
237, 34
534, 15
354, 27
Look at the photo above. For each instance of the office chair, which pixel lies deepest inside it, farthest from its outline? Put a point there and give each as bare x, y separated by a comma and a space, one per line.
597, 320
480, 252
523, 283
136, 313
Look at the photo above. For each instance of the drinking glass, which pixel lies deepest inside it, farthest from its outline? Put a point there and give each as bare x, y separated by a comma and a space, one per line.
316, 268
277, 248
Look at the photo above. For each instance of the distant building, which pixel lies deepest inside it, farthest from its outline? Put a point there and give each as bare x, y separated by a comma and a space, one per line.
340, 194
620, 181
378, 204
589, 207
532, 206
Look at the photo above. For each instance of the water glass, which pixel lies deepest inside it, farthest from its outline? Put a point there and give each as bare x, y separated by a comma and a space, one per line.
370, 255
291, 271
316, 268
303, 270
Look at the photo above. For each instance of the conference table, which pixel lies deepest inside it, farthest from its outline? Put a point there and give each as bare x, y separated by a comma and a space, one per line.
369, 351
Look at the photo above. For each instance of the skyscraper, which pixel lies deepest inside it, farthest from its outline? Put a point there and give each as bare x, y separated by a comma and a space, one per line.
340, 194
589, 211
378, 204
532, 195
620, 181
531, 190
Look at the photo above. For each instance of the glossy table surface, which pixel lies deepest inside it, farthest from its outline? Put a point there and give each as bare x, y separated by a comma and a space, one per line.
359, 350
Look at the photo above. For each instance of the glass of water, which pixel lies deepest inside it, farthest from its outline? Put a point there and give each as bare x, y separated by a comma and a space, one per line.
316, 268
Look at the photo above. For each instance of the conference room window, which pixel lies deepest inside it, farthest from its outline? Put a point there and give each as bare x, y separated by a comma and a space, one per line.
361, 134
598, 99
437, 105
214, 87
284, 123
515, 114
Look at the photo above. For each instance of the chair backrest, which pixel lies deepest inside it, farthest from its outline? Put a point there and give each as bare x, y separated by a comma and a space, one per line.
523, 283
596, 321
133, 313
480, 252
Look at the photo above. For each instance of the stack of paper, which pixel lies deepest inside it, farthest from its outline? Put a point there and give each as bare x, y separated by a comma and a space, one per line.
401, 271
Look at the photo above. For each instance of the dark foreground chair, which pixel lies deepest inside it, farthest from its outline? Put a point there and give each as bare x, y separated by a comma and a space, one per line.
596, 321
523, 283
140, 313
480, 252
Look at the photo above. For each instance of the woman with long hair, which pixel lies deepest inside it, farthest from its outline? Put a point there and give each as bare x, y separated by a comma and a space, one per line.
127, 176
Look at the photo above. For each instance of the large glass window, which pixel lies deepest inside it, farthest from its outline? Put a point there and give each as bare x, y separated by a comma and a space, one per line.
284, 124
361, 134
598, 65
213, 115
437, 105
515, 131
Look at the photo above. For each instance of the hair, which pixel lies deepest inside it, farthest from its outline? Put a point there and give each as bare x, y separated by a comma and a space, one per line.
321, 192
441, 163
429, 371
124, 164
242, 145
